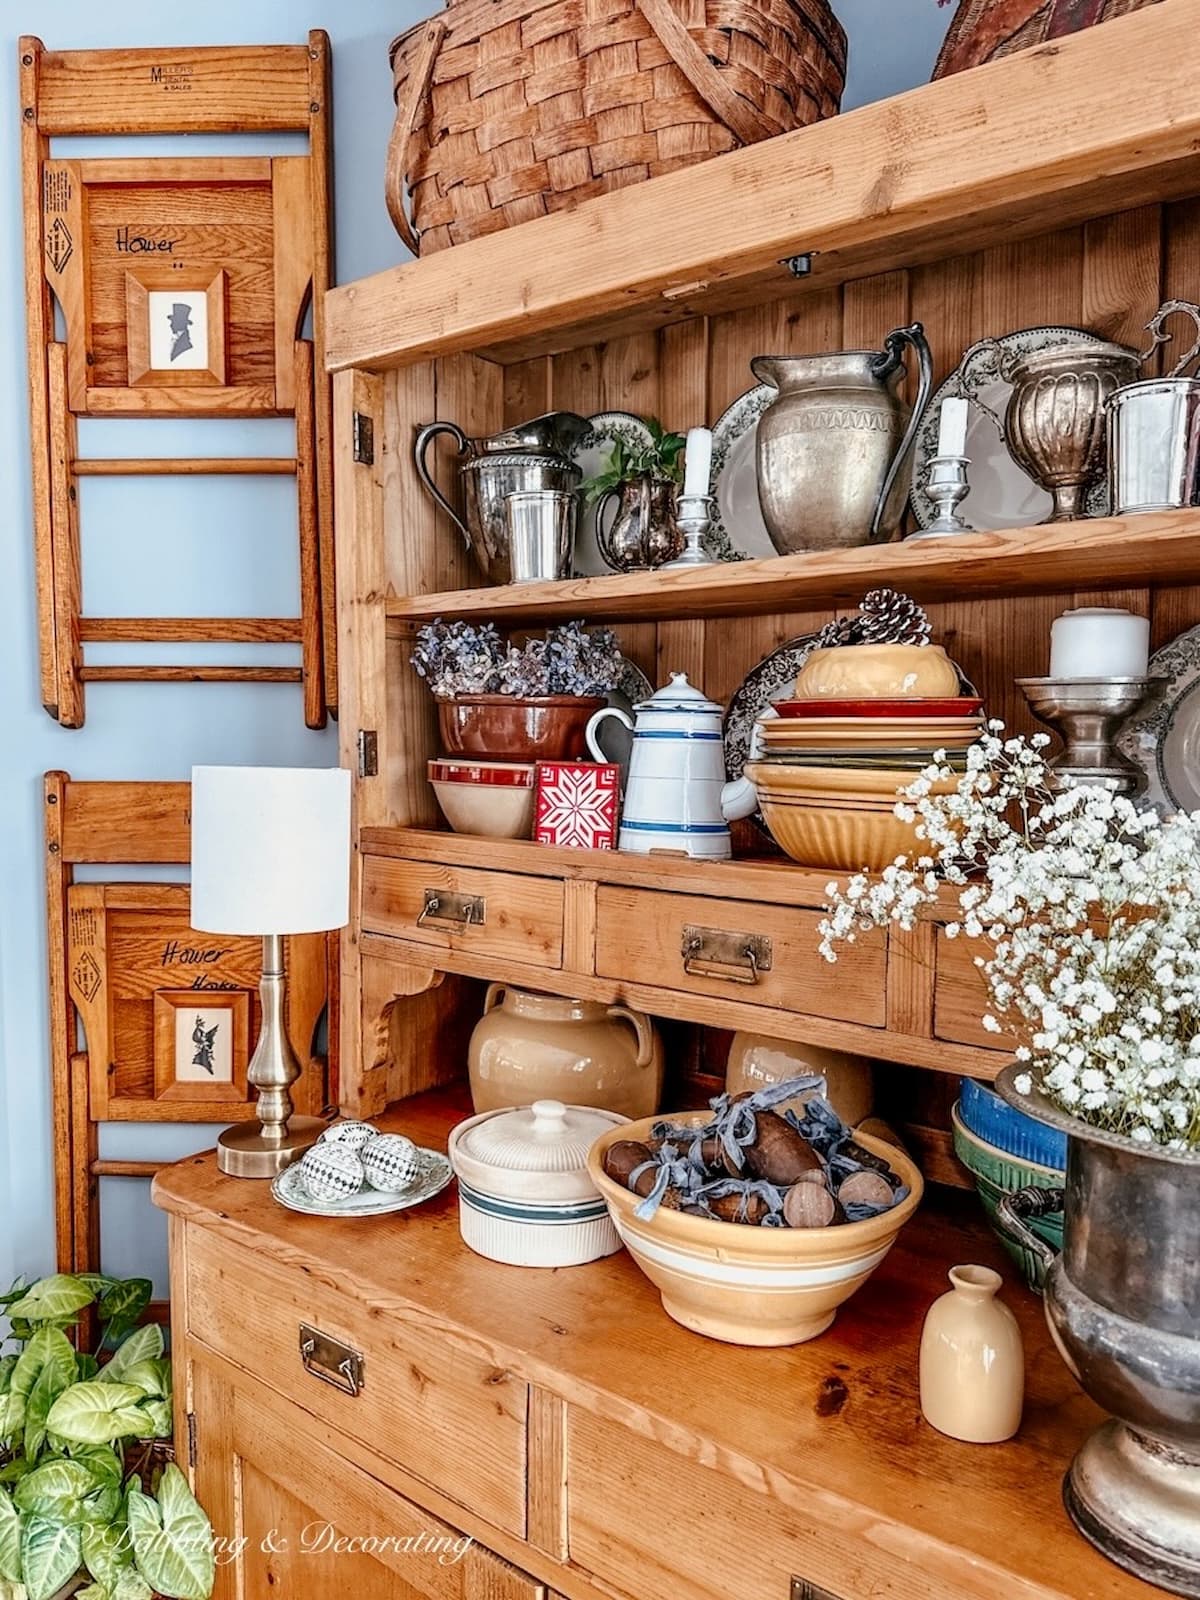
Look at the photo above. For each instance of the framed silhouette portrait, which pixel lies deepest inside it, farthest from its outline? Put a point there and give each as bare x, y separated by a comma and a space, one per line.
201, 1044
175, 328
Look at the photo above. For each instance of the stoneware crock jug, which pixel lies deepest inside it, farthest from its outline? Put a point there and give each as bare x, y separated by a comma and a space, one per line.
530, 1046
972, 1363
676, 797
832, 443
534, 455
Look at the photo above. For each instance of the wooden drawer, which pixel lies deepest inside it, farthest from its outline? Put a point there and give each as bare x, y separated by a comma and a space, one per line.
306, 1521
640, 936
512, 917
960, 995
438, 1409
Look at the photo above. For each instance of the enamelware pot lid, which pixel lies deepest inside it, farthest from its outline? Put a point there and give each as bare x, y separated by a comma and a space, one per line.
678, 695
546, 1137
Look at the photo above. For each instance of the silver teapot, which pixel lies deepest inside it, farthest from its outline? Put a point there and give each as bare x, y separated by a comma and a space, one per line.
832, 442
533, 455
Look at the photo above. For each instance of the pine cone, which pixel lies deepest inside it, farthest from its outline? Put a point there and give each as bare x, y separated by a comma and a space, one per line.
886, 617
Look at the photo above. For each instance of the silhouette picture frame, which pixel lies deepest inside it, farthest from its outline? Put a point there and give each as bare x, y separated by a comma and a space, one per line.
201, 1044
175, 327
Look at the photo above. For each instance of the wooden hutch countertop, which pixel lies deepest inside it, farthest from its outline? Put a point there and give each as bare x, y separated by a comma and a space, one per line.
836, 1420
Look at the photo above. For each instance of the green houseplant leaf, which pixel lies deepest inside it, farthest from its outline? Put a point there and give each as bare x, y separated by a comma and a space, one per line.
54, 1299
55, 1491
12, 1415
172, 1539
123, 1303
49, 1556
49, 1347
143, 1345
101, 1460
160, 1418
107, 1551
97, 1413
45, 1392
10, 1539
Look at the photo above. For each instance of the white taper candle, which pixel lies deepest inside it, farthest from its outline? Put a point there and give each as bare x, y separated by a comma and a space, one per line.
698, 460
952, 427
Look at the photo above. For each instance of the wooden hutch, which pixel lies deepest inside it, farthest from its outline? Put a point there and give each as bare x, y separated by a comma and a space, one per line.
590, 1446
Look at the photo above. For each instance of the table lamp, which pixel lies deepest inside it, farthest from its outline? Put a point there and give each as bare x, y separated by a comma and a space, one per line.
270, 856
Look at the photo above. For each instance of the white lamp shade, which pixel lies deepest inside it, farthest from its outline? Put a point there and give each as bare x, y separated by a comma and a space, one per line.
270, 849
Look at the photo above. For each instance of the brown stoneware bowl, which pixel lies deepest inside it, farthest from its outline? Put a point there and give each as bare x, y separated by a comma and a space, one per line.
504, 728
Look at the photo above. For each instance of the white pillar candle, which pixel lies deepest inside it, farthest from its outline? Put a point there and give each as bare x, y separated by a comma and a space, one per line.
952, 427
698, 460
1099, 642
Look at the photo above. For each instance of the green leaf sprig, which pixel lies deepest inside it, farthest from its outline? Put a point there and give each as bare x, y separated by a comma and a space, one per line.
662, 457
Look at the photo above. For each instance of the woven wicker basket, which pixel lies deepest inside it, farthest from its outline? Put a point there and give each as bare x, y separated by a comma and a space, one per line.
983, 30
509, 109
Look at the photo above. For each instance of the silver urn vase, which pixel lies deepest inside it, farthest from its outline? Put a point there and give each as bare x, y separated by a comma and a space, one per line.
1055, 423
1123, 1305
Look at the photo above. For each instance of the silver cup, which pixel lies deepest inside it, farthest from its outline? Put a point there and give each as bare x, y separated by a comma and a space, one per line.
541, 533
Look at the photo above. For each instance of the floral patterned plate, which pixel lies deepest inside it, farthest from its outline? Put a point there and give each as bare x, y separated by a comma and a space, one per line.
591, 457
773, 675
1002, 494
1165, 739
433, 1174
737, 530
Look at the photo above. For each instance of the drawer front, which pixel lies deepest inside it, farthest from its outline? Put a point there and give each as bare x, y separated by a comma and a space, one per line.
960, 996
626, 1494
500, 914
646, 937
421, 1400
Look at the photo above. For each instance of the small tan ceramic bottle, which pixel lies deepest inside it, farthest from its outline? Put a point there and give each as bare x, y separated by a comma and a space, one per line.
972, 1361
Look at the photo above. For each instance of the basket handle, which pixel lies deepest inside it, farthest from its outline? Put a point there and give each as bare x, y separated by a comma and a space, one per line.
416, 85
744, 121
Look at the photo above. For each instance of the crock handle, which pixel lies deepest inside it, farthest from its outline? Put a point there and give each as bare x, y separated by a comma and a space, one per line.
494, 996
641, 1026
1015, 1210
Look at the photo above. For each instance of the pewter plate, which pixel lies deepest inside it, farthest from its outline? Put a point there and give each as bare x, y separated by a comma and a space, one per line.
1165, 739
432, 1177
737, 530
591, 457
1002, 494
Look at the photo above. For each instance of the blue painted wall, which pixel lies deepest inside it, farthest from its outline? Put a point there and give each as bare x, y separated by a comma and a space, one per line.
207, 548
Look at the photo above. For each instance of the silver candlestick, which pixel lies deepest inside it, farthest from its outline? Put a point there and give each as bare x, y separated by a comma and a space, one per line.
1088, 713
693, 516
947, 485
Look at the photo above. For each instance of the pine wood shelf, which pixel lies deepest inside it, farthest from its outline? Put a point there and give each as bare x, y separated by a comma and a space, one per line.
1108, 552
1020, 146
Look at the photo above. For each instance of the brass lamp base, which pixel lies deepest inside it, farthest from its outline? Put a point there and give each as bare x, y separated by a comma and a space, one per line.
247, 1151
264, 1148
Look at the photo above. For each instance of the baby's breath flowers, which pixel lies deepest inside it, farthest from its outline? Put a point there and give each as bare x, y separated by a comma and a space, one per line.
1090, 907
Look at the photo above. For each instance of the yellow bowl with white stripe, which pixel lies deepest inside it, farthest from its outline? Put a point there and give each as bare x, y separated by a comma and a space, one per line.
750, 1285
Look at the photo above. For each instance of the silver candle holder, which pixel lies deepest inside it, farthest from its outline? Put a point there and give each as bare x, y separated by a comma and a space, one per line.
693, 516
1088, 714
946, 487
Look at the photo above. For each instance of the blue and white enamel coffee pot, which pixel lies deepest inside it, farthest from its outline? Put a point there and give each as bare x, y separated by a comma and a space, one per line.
676, 797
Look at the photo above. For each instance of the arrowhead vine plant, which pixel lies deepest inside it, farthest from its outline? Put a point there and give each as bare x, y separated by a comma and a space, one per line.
1088, 908
76, 1441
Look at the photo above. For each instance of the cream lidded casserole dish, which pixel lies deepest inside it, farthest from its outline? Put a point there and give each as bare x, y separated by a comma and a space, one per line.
525, 1196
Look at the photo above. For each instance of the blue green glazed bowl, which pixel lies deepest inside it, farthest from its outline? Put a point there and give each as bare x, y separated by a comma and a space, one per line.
996, 1174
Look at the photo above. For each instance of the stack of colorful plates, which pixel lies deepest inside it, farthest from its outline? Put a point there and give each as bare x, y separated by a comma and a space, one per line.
902, 735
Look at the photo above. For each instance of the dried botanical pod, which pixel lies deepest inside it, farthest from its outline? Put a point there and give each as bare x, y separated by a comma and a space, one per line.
623, 1158
865, 1188
672, 1199
809, 1205
747, 1208
866, 1158
779, 1153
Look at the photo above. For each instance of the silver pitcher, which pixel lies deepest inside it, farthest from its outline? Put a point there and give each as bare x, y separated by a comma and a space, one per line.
1154, 431
832, 443
534, 455
1123, 1304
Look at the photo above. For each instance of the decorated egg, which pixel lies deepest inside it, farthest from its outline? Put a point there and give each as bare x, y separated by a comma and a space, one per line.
331, 1171
352, 1134
390, 1162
